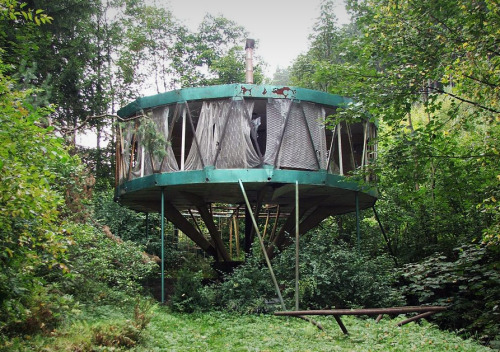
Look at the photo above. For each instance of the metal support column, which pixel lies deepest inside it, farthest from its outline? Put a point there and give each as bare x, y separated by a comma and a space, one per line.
162, 246
358, 231
297, 245
248, 230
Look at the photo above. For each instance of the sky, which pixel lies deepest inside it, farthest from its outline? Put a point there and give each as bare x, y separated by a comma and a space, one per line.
281, 27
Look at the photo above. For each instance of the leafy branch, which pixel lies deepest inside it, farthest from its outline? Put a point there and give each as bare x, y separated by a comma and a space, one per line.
13, 10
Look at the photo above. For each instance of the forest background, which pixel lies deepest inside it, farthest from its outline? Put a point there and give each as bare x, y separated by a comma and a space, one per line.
427, 72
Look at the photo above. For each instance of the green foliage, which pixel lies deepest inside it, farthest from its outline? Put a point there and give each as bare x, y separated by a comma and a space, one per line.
149, 48
129, 225
104, 268
15, 10
39, 187
281, 77
427, 72
331, 275
438, 181
437, 158
123, 333
153, 140
100, 167
189, 293
336, 275
490, 207
327, 48
34, 166
246, 290
97, 328
187, 296
122, 222
468, 283
220, 331
216, 36
78, 88
217, 46
402, 52
229, 69
37, 307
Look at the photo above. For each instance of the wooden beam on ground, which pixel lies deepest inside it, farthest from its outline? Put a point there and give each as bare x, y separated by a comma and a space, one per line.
424, 310
416, 317
365, 311
341, 324
312, 321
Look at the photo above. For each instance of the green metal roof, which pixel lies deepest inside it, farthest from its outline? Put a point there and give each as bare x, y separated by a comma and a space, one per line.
232, 90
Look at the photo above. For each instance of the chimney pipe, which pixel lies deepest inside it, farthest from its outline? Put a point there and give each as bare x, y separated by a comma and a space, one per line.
249, 61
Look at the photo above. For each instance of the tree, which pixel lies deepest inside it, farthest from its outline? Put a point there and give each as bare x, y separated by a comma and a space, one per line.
328, 46
219, 51
407, 50
281, 77
428, 72
433, 66
34, 170
40, 204
150, 47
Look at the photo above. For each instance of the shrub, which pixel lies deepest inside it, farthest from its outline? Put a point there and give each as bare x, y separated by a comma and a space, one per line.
187, 296
121, 333
248, 288
468, 282
336, 275
42, 310
123, 222
331, 275
130, 225
34, 170
105, 269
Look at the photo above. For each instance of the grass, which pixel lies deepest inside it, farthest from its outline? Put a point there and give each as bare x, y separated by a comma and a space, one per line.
219, 331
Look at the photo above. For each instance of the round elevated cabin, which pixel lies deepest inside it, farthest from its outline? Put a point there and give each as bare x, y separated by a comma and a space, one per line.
187, 152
